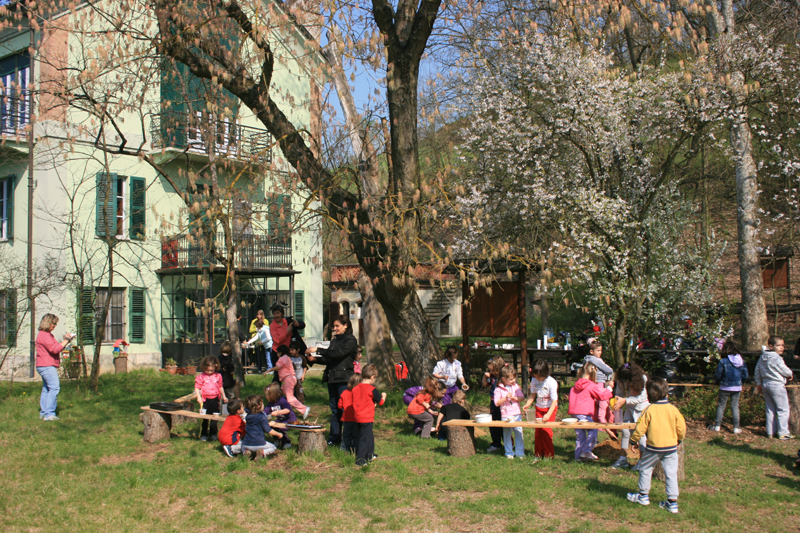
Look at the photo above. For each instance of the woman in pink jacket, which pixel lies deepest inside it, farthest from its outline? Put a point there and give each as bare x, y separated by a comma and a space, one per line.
48, 359
582, 398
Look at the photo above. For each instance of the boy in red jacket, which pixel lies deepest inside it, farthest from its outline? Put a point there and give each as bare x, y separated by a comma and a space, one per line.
232, 432
365, 396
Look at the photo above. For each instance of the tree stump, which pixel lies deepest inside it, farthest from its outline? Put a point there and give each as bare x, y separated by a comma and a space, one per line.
156, 425
794, 410
312, 441
658, 471
460, 441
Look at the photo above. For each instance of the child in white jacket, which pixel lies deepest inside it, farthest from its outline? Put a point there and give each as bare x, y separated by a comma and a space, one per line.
771, 375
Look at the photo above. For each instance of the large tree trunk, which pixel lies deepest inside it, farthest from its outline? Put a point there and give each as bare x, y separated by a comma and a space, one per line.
377, 337
231, 315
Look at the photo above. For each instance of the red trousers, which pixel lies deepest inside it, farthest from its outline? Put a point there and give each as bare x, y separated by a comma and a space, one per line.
543, 443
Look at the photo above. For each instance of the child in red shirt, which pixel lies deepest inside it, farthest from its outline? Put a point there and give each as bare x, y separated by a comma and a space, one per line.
365, 396
232, 432
349, 425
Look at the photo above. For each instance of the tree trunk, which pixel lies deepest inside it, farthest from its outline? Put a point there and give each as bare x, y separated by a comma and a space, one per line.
156, 425
658, 471
231, 315
544, 303
311, 441
377, 339
794, 410
460, 441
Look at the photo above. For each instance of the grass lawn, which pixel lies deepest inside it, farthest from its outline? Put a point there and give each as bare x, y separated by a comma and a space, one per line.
92, 472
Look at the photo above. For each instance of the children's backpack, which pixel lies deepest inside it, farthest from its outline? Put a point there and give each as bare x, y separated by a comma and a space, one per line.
401, 370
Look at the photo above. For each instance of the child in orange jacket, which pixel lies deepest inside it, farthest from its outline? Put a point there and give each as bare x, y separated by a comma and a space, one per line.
349, 424
365, 397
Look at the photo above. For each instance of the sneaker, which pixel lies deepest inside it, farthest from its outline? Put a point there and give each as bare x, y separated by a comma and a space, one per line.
213, 438
712, 427
620, 463
204, 438
589, 456
51, 418
641, 499
782, 437
635, 468
672, 507
287, 446
509, 456
374, 456
227, 450
737, 431
492, 449
305, 413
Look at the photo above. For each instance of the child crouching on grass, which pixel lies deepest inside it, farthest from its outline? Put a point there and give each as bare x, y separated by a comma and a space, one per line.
278, 408
257, 426
365, 397
233, 429
665, 428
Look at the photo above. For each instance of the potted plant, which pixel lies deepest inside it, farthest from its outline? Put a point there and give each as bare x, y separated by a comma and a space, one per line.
171, 366
120, 356
191, 370
71, 362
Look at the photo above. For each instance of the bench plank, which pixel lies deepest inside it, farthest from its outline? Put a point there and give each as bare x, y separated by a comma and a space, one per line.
534, 425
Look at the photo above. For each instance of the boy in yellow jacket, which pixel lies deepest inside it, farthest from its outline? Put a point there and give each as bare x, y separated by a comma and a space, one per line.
665, 428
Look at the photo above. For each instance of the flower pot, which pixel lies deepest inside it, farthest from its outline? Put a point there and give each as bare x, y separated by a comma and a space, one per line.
191, 370
73, 370
172, 369
181, 371
120, 365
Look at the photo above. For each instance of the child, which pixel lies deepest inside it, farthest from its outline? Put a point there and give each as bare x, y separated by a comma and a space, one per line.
365, 396
256, 426
278, 408
233, 429
507, 396
665, 428
208, 388
296, 351
602, 412
263, 342
420, 407
730, 373
349, 425
449, 371
490, 379
226, 369
288, 379
582, 399
357, 363
452, 411
632, 397
544, 390
771, 375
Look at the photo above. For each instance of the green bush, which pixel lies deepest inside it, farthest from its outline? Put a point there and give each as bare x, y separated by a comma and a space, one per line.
701, 403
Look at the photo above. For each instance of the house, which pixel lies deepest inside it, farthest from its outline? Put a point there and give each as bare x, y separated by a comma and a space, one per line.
119, 168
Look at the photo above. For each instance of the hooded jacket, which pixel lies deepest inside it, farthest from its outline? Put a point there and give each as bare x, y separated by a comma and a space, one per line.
584, 394
731, 372
771, 367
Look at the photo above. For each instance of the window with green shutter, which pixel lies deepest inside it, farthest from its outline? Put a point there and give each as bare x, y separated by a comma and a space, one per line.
8, 318
86, 317
137, 306
138, 208
107, 204
6, 208
299, 306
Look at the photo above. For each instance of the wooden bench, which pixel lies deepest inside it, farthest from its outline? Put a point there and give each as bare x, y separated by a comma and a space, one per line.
461, 433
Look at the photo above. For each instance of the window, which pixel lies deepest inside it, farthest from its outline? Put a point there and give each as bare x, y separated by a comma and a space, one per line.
6, 215
8, 317
15, 101
115, 321
117, 198
444, 326
300, 306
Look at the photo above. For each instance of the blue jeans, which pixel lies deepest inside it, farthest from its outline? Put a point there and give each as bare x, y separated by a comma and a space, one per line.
51, 386
518, 446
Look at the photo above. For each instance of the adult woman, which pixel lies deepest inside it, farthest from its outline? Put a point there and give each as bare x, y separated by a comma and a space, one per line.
283, 331
338, 358
447, 371
260, 349
48, 358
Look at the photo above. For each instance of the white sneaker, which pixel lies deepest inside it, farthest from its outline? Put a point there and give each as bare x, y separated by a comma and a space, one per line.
492, 449
509, 456
620, 463
737, 431
589, 456
712, 427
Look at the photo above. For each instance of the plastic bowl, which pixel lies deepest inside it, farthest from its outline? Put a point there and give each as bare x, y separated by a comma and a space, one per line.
483, 419
570, 420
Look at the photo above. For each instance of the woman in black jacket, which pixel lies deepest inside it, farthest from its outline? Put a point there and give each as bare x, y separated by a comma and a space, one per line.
338, 358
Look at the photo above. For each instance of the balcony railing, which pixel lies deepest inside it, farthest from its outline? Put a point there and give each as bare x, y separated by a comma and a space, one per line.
253, 252
15, 112
195, 133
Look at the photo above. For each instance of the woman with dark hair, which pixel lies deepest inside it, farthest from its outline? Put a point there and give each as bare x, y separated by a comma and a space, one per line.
338, 358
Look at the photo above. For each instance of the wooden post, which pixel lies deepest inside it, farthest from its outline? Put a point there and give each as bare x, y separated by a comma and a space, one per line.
794, 410
460, 441
312, 440
523, 330
658, 471
156, 425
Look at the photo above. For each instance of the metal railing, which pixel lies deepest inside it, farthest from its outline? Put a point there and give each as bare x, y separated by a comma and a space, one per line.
15, 112
194, 133
252, 252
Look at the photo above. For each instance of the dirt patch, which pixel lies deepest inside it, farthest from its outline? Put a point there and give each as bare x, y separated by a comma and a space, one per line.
135, 457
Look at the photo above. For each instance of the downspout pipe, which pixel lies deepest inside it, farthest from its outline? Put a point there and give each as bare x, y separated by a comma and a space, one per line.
31, 160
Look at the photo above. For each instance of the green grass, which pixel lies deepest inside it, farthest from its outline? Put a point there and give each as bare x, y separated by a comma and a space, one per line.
92, 472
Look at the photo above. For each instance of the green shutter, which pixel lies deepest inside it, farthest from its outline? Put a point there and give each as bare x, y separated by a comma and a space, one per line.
11, 317
86, 318
10, 207
138, 208
137, 308
106, 200
299, 306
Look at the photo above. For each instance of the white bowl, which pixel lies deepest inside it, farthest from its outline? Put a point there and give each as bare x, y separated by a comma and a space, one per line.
483, 419
570, 420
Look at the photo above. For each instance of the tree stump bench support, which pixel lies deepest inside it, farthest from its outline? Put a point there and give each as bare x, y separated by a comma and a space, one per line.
461, 441
311, 440
658, 471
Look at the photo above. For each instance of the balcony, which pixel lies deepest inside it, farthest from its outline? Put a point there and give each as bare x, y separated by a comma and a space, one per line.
195, 133
14, 113
254, 252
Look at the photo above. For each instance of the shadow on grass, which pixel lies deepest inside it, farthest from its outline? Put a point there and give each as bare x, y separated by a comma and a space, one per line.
613, 489
781, 459
788, 482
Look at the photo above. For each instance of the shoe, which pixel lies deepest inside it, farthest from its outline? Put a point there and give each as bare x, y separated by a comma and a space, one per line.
535, 460
305, 414
253, 455
374, 456
641, 499
509, 456
213, 438
589, 456
786, 437
51, 418
204, 438
287, 446
737, 431
635, 468
672, 507
227, 450
334, 443
712, 427
492, 449
620, 463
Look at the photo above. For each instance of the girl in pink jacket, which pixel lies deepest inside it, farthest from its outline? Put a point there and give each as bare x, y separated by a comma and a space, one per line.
582, 399
288, 378
507, 396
